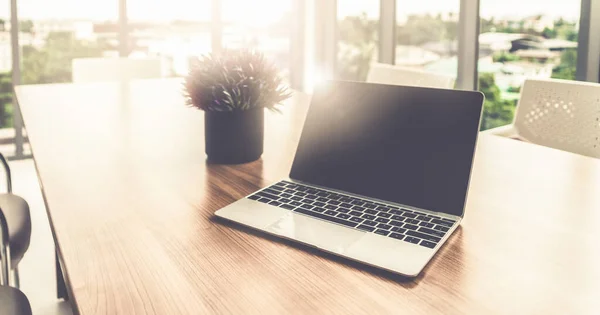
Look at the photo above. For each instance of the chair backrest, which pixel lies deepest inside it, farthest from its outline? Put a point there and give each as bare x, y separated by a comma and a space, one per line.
560, 114
396, 75
114, 69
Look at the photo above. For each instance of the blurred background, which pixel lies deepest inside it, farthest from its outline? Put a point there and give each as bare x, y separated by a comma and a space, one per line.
490, 45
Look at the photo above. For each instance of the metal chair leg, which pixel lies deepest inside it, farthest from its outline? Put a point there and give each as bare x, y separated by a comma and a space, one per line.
16, 281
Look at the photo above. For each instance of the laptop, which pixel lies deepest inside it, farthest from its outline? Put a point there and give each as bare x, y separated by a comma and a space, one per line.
380, 175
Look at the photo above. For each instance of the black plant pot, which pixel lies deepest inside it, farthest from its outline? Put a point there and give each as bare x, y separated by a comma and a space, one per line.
234, 137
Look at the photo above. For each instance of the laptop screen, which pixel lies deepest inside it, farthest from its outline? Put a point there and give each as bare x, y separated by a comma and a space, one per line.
408, 145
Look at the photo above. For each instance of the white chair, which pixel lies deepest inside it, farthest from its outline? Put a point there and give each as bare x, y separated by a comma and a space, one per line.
396, 75
560, 114
87, 70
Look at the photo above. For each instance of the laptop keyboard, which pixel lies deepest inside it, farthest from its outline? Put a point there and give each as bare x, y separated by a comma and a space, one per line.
402, 224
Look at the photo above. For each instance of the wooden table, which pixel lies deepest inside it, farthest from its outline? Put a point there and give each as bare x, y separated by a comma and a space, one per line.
131, 201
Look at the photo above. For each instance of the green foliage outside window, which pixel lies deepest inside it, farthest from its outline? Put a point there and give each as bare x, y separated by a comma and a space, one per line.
568, 63
357, 47
496, 111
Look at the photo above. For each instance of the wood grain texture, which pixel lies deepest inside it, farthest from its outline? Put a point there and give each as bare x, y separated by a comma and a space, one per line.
131, 201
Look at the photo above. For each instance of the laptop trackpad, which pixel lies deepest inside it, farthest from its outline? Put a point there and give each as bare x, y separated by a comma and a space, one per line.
327, 236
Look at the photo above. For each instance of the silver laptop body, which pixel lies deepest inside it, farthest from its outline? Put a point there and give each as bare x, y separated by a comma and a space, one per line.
380, 176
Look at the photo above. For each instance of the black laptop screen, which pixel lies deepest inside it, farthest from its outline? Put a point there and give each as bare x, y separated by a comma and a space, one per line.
408, 145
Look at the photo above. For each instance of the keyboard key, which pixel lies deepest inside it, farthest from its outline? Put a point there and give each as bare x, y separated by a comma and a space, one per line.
356, 213
284, 200
398, 229
312, 191
425, 224
359, 208
444, 223
296, 203
296, 198
394, 211
369, 216
289, 191
369, 211
423, 218
331, 212
449, 220
384, 215
271, 191
370, 206
265, 200
381, 208
319, 204
267, 195
397, 236
345, 199
311, 197
330, 207
396, 223
413, 240
381, 232
344, 216
357, 203
409, 215
326, 217
307, 201
371, 223
307, 207
366, 228
276, 187
300, 194
317, 209
384, 226
441, 228
302, 189
323, 194
344, 210
411, 227
424, 236
412, 221
398, 218
254, 197
275, 203
285, 195
432, 232
286, 206
382, 220
356, 219
346, 205
321, 199
334, 202
428, 244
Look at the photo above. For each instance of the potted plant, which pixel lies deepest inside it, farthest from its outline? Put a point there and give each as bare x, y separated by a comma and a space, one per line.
233, 89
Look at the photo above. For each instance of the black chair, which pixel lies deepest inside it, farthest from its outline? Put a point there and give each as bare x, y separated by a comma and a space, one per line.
12, 300
17, 217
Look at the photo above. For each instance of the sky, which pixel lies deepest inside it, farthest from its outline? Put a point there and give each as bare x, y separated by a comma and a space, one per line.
265, 11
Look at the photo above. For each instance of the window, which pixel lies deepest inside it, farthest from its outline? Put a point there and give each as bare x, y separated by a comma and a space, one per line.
358, 26
426, 35
264, 25
539, 40
173, 31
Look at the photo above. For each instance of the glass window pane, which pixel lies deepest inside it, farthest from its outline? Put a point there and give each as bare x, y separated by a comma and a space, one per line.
358, 28
264, 25
426, 35
174, 31
539, 40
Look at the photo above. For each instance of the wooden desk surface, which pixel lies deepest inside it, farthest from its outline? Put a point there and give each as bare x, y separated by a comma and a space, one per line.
131, 202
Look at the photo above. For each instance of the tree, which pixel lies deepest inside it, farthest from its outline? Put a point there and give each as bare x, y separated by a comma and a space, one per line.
52, 63
504, 57
496, 111
358, 40
549, 33
568, 64
6, 94
26, 26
